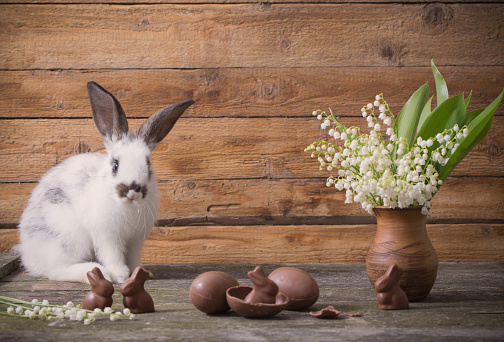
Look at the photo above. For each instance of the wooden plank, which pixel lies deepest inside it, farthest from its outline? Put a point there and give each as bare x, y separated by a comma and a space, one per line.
257, 244
301, 244
8, 263
9, 238
209, 148
286, 201
241, 92
306, 244
464, 305
65, 2
249, 35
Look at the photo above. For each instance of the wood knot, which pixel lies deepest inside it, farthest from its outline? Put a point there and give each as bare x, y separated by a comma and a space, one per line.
60, 105
120, 93
493, 150
294, 238
285, 44
388, 52
393, 53
436, 17
144, 23
210, 77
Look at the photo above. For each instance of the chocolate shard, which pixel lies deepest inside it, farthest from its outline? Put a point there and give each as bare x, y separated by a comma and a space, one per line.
328, 312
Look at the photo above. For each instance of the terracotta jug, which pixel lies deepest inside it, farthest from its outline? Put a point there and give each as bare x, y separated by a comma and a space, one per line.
401, 238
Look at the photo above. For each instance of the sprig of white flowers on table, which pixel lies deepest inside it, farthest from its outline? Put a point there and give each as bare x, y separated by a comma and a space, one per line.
44, 310
407, 164
379, 171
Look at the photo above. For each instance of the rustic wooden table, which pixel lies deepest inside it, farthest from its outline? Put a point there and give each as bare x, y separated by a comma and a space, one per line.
466, 303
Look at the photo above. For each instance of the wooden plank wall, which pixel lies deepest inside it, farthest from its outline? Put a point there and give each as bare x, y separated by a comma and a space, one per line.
236, 184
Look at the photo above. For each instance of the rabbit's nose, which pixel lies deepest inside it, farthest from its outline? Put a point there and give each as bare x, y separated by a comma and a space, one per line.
135, 187
139, 189
133, 191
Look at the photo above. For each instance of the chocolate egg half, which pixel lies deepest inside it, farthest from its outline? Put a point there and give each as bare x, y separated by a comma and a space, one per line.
299, 286
208, 291
236, 299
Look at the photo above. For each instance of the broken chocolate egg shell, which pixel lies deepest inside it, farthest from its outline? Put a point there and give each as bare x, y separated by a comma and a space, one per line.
328, 312
208, 291
236, 295
301, 289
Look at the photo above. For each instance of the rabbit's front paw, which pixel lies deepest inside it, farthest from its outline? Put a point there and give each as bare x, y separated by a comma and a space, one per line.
120, 274
106, 273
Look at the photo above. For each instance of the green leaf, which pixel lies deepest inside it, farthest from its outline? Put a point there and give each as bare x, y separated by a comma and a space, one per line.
468, 99
472, 115
336, 121
444, 116
478, 129
425, 113
406, 122
441, 87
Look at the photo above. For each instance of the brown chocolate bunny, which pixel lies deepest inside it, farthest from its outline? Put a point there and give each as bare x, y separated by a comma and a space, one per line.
390, 295
101, 292
265, 289
135, 297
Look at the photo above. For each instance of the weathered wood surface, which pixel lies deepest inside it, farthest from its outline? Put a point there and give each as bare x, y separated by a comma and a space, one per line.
265, 3
232, 172
8, 264
245, 148
236, 92
312, 244
300, 243
249, 35
285, 201
466, 304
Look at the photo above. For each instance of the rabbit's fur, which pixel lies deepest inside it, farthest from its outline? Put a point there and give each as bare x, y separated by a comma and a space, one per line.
96, 209
135, 297
390, 295
264, 290
101, 292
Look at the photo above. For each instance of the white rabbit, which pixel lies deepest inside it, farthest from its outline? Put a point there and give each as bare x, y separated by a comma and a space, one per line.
96, 209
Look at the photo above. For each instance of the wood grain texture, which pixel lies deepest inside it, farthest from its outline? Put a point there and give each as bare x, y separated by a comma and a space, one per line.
244, 148
9, 238
249, 35
266, 3
309, 244
236, 183
241, 92
465, 305
306, 244
285, 201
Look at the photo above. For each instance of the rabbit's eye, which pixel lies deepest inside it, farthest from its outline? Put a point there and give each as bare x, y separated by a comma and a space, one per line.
115, 165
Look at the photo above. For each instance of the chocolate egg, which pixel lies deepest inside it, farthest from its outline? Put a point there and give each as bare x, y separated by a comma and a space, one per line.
299, 286
208, 291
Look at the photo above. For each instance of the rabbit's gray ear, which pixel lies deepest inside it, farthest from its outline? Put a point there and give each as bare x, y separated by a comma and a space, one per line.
108, 114
158, 125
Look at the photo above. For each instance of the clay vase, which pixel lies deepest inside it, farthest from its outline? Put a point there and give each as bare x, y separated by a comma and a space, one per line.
401, 238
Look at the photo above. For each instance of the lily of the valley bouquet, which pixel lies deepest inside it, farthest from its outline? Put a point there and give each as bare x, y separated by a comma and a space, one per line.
403, 160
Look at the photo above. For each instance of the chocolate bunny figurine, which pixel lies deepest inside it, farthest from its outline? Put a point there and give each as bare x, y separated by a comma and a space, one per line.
265, 289
135, 297
390, 295
101, 292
